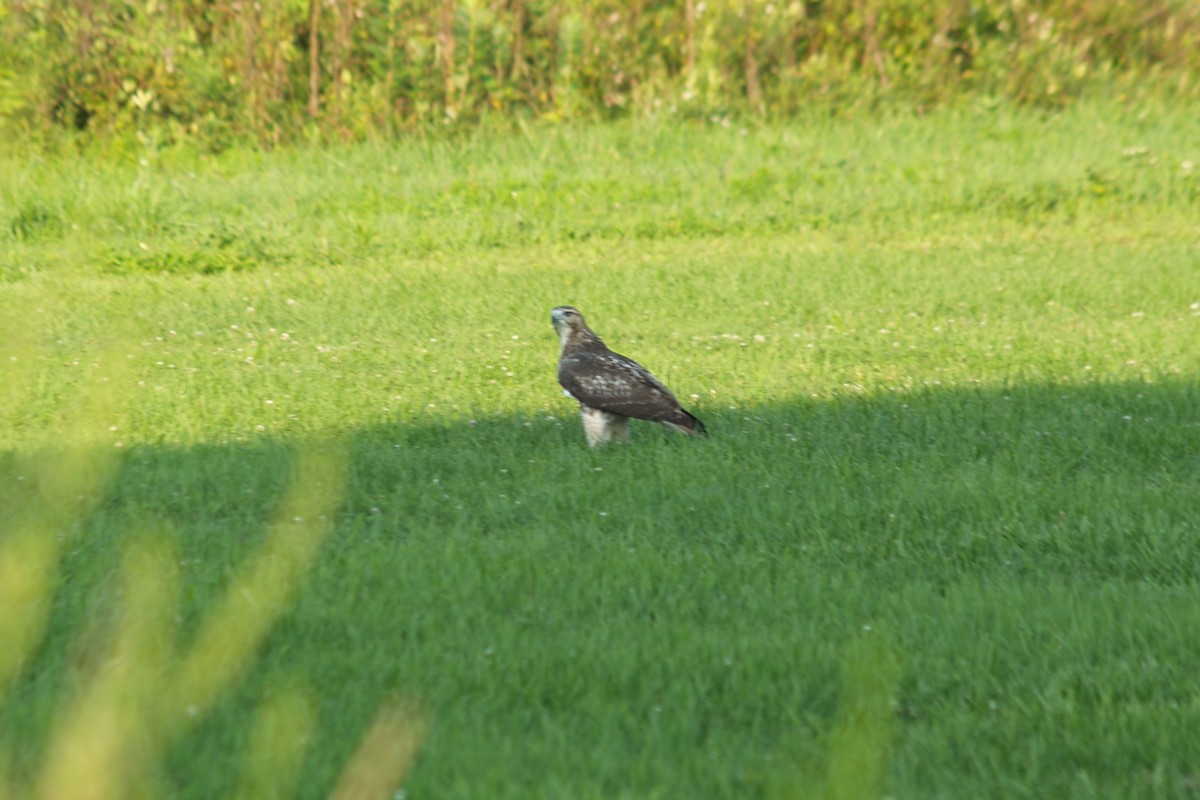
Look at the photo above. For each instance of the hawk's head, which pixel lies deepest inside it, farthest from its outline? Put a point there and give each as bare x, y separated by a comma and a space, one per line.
570, 325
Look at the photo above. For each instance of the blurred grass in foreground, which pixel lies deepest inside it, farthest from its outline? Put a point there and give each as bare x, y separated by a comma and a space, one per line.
138, 692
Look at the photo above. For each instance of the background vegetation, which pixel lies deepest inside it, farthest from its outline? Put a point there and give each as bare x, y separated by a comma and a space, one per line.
273, 70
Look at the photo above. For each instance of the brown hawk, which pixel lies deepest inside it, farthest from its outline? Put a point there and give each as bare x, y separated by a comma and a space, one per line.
611, 388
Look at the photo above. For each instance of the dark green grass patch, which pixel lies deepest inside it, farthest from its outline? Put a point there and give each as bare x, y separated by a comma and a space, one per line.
674, 617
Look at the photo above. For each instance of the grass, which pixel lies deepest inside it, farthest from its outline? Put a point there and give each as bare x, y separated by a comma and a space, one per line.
942, 541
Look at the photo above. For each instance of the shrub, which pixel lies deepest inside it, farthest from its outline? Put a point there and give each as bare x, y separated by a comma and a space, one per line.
220, 70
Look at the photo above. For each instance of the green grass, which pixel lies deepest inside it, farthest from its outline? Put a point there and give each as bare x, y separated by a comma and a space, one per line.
943, 540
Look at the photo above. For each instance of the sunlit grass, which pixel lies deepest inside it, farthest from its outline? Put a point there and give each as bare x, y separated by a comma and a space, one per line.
285, 469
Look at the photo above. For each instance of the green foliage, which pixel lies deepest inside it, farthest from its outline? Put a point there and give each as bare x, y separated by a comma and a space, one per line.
32, 221
210, 253
218, 72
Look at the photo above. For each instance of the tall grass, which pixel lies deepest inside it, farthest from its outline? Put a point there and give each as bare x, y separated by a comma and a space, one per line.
220, 72
130, 692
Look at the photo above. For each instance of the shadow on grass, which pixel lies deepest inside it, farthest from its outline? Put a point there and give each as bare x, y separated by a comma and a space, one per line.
647, 618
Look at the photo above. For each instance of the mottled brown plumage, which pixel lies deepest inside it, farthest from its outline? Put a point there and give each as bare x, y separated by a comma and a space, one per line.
611, 388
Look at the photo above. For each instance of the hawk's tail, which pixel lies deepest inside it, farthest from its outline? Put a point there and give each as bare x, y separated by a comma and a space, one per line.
683, 421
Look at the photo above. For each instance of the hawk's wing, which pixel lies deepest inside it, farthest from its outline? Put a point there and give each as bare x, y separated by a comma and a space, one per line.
612, 382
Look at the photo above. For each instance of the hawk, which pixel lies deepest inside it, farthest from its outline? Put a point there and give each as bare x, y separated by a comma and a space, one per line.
611, 388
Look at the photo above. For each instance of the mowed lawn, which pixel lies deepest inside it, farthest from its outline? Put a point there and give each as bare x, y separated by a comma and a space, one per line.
285, 472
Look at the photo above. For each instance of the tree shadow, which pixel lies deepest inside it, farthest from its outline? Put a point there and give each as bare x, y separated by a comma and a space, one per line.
530, 588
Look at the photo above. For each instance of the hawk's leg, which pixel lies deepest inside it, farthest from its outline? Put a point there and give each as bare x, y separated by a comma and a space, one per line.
602, 427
